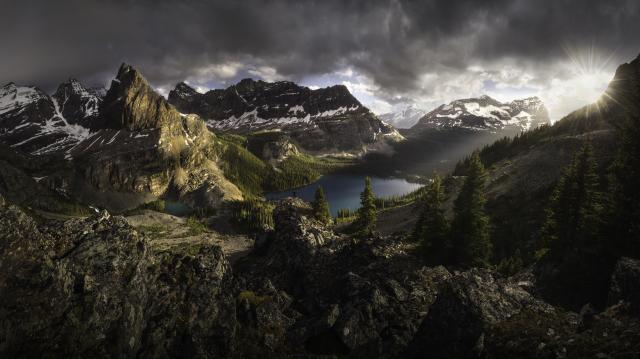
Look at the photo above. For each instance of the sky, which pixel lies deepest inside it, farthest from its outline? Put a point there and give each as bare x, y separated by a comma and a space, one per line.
389, 53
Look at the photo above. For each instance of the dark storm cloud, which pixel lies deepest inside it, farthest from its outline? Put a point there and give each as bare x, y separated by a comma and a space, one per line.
391, 42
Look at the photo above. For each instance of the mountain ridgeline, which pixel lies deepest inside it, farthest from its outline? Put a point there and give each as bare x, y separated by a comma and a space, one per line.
323, 120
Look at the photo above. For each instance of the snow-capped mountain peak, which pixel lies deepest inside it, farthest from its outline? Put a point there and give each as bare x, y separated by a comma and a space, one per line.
76, 102
13, 97
486, 113
38, 123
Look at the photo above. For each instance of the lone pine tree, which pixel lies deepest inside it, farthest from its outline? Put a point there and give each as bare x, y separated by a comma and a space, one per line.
320, 207
470, 225
366, 220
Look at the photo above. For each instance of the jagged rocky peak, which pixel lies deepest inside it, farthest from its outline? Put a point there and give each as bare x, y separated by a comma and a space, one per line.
77, 103
132, 104
486, 113
324, 120
183, 90
281, 101
16, 98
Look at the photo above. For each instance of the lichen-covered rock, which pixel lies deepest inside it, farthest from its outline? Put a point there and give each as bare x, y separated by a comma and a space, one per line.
468, 306
560, 334
95, 287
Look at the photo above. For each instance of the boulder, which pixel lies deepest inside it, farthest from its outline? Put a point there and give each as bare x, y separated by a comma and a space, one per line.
467, 307
625, 284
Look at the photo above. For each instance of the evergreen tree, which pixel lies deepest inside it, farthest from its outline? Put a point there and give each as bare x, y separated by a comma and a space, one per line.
470, 226
366, 219
320, 207
432, 228
574, 216
624, 213
580, 261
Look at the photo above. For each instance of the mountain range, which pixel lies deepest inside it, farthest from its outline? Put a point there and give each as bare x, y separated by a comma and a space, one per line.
323, 120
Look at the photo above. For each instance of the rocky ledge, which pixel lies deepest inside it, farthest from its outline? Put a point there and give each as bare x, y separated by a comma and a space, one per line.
97, 287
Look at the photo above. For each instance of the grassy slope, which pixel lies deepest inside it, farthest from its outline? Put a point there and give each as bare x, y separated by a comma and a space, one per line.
524, 170
254, 176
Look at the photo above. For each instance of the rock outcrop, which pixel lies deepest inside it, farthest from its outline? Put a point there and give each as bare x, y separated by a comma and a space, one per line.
330, 295
323, 120
467, 307
96, 287
272, 147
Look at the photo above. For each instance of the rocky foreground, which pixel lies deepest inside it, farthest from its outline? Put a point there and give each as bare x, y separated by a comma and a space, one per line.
96, 287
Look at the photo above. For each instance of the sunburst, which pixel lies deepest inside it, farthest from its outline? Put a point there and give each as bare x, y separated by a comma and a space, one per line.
590, 76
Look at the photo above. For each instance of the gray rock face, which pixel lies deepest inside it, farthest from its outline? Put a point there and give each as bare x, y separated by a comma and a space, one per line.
96, 287
323, 120
131, 104
78, 104
271, 146
404, 118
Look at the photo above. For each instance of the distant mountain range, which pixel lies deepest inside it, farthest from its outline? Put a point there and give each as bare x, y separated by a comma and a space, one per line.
322, 120
404, 118
486, 113
447, 133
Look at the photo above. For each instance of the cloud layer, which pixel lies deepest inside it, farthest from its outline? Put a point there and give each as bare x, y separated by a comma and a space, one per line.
401, 51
